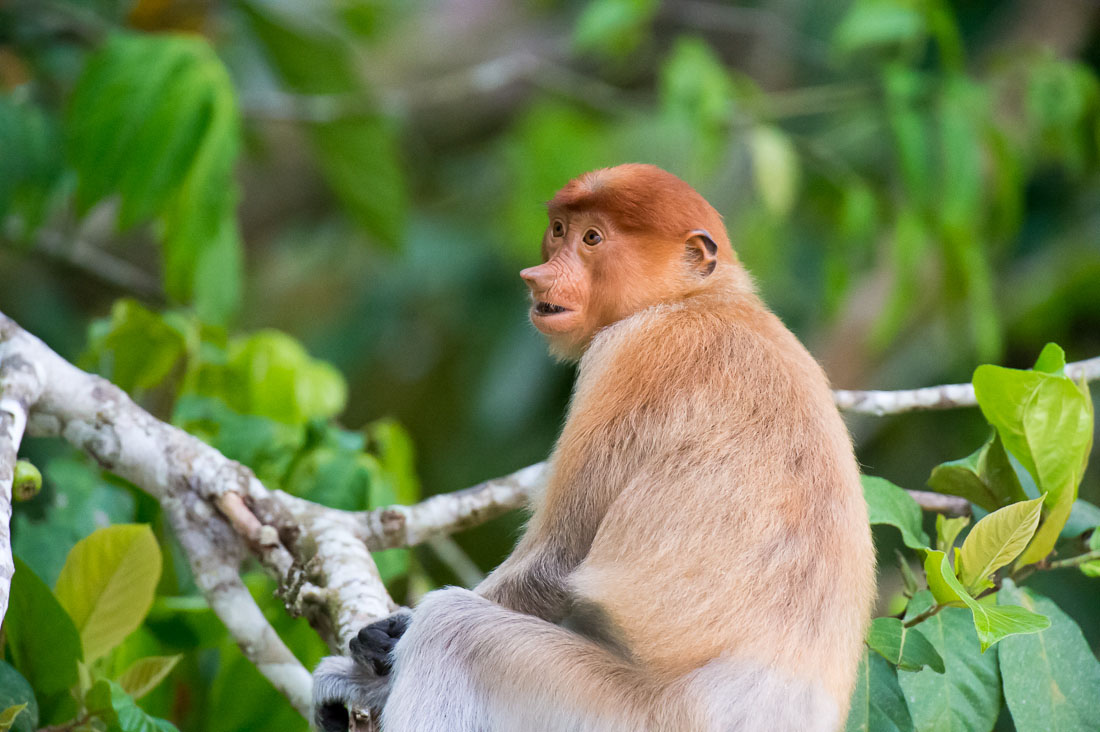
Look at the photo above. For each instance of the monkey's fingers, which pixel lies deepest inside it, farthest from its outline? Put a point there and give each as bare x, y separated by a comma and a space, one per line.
331, 718
373, 644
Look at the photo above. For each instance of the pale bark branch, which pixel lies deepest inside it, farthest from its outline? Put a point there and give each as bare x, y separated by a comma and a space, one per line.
947, 396
217, 508
20, 386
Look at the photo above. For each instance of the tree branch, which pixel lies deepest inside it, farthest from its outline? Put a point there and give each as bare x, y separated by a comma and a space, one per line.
20, 386
947, 396
217, 508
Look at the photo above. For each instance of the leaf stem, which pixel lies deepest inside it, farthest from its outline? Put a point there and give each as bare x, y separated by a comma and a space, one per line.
1075, 561
924, 616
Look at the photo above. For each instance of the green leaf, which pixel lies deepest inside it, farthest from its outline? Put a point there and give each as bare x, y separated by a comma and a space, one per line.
993, 623
921, 602
154, 119
9, 715
878, 704
995, 541
107, 584
889, 504
947, 530
394, 448
16, 692
81, 502
338, 478
308, 52
1052, 359
967, 696
144, 674
775, 168
696, 85
271, 375
265, 445
904, 647
29, 180
870, 23
1052, 678
44, 643
1045, 421
613, 27
135, 348
361, 162
985, 477
359, 154
108, 701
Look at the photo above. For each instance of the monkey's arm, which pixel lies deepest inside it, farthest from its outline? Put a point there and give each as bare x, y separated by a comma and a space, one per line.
531, 581
468, 664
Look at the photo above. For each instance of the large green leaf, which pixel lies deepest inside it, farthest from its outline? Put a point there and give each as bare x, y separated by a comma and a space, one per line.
44, 643
108, 701
153, 119
1045, 421
986, 477
889, 504
906, 648
993, 623
967, 696
995, 541
14, 690
1052, 678
361, 162
878, 704
107, 584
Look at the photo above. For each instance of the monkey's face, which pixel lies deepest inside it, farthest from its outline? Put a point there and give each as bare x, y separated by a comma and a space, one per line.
594, 274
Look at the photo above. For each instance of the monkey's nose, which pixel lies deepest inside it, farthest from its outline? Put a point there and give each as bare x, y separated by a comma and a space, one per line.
537, 278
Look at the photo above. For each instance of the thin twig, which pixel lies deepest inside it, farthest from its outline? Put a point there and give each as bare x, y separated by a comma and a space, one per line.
947, 396
1076, 561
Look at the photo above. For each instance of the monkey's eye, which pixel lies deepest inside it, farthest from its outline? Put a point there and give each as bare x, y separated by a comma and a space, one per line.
557, 229
592, 237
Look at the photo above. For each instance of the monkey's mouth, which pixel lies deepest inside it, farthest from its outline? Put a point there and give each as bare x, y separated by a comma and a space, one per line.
546, 308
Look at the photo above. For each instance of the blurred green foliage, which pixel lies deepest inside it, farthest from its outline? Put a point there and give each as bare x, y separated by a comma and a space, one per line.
260, 217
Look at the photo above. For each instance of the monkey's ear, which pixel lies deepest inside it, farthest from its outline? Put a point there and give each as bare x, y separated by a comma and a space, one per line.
701, 251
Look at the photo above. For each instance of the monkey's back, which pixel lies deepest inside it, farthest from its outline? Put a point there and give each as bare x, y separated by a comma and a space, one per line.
735, 525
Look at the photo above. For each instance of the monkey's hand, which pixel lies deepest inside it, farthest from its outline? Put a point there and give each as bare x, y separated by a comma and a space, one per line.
373, 645
362, 681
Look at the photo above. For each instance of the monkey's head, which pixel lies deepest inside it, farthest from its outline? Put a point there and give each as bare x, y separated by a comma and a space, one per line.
621, 240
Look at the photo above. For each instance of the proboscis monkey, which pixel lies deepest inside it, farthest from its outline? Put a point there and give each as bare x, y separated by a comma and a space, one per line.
700, 558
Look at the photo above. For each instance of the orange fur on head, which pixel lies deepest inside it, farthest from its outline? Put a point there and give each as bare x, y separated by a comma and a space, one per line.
646, 218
